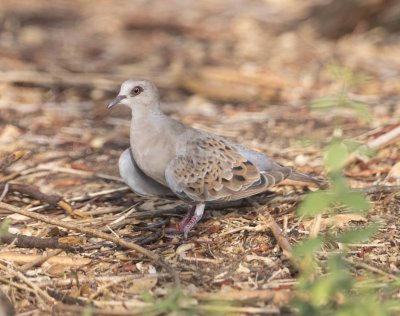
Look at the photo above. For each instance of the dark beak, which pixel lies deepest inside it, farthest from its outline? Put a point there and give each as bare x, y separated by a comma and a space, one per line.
117, 100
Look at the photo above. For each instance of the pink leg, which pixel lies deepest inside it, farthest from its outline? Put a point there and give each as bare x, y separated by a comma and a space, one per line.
186, 219
198, 214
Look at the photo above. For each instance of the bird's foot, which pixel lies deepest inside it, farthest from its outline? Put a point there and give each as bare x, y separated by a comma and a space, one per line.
186, 219
178, 228
190, 224
192, 217
196, 217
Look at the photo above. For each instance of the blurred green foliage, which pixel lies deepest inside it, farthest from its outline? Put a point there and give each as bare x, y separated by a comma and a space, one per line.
4, 225
327, 287
172, 303
347, 80
325, 284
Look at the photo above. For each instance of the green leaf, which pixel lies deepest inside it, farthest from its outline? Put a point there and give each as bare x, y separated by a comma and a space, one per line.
335, 156
338, 71
87, 311
338, 183
315, 203
355, 201
361, 109
392, 305
4, 225
357, 235
324, 103
326, 287
352, 145
366, 151
308, 246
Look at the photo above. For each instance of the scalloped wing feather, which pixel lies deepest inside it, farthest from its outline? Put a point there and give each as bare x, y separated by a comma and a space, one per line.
212, 170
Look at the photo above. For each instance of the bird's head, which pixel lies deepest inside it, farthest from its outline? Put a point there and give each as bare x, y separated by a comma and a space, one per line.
135, 93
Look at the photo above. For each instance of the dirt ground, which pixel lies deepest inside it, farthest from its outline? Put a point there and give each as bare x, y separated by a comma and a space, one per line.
246, 70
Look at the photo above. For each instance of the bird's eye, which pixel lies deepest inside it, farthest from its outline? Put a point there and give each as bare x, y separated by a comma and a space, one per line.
136, 90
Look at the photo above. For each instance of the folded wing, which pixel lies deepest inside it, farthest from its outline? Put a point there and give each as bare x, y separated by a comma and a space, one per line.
210, 169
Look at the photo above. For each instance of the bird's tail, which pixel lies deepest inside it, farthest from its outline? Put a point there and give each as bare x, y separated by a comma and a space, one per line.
301, 177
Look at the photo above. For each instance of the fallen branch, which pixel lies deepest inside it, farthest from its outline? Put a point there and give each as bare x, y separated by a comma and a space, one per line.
23, 241
95, 233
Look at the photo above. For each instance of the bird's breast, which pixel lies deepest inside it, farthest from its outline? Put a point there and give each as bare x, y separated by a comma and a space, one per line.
152, 154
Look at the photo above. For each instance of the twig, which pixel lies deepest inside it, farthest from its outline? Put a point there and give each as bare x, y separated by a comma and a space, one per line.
85, 197
315, 228
375, 189
277, 232
378, 142
102, 278
40, 260
6, 306
19, 286
258, 228
384, 139
66, 299
32, 191
92, 232
10, 176
368, 267
43, 296
88, 196
5, 191
80, 172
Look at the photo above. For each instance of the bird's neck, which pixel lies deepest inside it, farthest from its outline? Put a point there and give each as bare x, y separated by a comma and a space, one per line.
148, 118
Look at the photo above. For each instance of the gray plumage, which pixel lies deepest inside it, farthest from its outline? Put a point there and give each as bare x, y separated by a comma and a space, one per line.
167, 157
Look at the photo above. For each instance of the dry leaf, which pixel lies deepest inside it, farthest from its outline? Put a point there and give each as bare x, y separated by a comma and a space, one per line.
338, 220
72, 240
56, 270
141, 285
